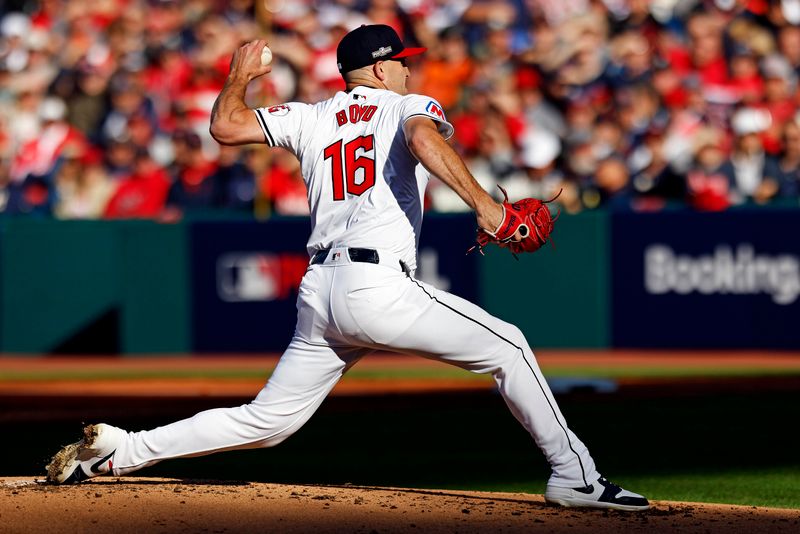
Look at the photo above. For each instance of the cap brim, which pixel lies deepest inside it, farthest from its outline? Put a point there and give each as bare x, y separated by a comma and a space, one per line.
409, 52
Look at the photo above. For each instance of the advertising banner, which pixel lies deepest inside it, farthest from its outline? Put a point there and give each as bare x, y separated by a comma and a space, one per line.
245, 277
706, 280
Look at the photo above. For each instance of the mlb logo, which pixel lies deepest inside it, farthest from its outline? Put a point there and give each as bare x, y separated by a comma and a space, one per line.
434, 109
336, 256
248, 277
259, 276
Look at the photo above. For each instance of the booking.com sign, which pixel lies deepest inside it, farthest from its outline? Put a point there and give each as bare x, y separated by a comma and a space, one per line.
726, 270
259, 276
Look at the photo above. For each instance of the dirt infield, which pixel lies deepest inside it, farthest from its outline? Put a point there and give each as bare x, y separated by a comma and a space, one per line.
133, 505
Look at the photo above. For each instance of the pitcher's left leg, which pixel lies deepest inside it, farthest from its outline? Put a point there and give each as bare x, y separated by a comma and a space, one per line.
456, 331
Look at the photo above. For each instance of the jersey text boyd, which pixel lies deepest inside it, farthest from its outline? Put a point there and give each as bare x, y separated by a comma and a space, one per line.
355, 113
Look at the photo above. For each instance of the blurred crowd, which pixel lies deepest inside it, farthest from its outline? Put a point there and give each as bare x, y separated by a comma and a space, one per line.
621, 104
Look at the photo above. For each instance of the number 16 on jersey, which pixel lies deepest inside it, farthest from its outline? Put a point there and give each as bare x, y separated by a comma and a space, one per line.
345, 166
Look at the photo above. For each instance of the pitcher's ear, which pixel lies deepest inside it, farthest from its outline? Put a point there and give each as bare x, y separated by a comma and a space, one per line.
378, 70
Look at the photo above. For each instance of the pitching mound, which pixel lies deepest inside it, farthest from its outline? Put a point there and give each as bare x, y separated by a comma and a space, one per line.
134, 505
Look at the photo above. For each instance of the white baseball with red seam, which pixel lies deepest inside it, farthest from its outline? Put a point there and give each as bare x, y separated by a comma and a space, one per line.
266, 56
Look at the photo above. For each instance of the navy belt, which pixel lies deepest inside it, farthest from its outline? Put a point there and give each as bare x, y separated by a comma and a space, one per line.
361, 255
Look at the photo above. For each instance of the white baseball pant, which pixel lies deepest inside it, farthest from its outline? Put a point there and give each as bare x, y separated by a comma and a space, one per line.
347, 310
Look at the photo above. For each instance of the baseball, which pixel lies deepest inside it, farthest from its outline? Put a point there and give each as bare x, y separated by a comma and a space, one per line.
266, 56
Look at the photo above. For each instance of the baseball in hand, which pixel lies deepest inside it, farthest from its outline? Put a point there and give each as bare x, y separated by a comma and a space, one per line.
266, 56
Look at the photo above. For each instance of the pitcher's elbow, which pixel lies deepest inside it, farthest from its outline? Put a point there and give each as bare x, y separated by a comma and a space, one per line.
220, 133
416, 144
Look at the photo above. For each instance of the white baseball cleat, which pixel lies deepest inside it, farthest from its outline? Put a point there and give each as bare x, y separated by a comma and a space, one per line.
87, 458
601, 494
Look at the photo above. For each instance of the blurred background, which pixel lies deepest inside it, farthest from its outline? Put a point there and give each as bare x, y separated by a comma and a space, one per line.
671, 128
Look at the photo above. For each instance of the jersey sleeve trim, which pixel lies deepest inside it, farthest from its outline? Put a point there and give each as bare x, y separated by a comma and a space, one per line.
263, 123
445, 128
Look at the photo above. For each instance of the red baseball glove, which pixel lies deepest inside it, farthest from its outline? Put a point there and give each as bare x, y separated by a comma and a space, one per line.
530, 216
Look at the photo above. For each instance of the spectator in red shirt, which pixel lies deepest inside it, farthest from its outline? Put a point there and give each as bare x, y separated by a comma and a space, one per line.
40, 155
708, 181
780, 87
141, 195
745, 76
283, 186
706, 48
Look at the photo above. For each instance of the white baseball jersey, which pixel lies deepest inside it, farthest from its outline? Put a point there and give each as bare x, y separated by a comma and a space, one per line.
365, 188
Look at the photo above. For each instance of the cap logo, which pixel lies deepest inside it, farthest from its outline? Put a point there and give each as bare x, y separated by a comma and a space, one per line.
382, 51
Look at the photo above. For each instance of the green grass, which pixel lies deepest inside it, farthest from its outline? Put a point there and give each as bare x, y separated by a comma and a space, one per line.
775, 488
757, 487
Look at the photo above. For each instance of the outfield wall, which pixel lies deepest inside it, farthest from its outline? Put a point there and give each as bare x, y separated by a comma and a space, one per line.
83, 287
672, 279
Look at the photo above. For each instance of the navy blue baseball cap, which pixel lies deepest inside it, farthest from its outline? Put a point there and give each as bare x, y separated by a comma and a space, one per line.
369, 44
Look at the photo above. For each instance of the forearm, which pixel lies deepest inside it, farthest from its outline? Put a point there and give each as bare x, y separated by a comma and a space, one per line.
232, 122
230, 101
442, 161
229, 110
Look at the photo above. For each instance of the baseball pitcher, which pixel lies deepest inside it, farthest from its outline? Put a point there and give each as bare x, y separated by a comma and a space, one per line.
366, 155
